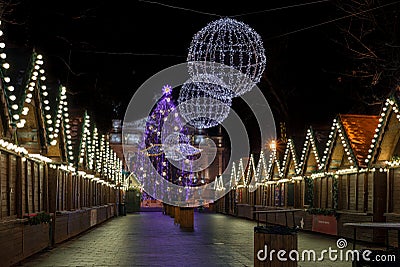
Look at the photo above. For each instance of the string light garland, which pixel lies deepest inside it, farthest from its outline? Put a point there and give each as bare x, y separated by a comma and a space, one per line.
240, 175
11, 96
309, 144
337, 130
251, 175
290, 150
219, 184
85, 141
230, 50
19, 106
37, 76
233, 181
63, 115
262, 170
390, 105
274, 161
337, 134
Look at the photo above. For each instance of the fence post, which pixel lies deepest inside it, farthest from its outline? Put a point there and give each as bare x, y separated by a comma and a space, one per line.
18, 188
52, 199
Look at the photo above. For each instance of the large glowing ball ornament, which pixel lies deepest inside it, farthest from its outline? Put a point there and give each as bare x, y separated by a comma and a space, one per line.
203, 104
230, 50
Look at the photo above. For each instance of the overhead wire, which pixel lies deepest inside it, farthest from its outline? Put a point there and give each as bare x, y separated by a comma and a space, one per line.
332, 20
250, 13
279, 8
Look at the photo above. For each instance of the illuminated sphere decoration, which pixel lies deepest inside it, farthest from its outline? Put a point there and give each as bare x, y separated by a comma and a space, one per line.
204, 105
179, 143
230, 50
170, 144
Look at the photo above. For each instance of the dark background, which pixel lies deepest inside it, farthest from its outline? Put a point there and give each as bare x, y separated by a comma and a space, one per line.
104, 50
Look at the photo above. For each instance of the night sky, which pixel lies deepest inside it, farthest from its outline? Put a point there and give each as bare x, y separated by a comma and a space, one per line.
104, 50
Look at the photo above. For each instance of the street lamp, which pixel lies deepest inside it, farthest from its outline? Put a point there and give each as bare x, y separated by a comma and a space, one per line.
272, 145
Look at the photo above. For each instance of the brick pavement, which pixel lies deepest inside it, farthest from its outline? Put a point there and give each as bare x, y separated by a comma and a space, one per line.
152, 239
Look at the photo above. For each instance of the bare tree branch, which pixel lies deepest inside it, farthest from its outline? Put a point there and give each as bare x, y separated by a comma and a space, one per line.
370, 41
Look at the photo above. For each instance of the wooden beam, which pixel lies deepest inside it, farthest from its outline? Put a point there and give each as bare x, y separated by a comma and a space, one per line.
389, 194
40, 187
348, 191
320, 193
32, 178
366, 193
327, 191
18, 188
45, 188
26, 192
1, 191
356, 191
8, 184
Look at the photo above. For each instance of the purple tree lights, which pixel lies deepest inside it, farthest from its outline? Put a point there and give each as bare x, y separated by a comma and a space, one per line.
165, 150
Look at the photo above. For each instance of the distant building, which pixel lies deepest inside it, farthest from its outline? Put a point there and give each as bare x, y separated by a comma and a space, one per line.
125, 138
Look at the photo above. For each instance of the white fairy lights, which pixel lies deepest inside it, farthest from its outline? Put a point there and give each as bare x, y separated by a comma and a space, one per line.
11, 100
262, 170
63, 116
18, 110
19, 107
274, 162
203, 104
290, 150
337, 130
309, 144
240, 179
231, 43
10, 147
250, 171
232, 182
390, 105
30, 87
219, 184
85, 141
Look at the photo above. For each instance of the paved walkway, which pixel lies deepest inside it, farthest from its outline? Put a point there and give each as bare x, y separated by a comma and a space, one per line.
152, 239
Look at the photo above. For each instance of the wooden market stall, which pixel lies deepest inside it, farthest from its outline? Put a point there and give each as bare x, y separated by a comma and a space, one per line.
37, 178
244, 175
384, 158
261, 176
275, 192
344, 185
290, 170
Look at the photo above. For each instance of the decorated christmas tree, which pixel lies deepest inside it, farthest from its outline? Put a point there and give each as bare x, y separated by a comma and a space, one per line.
164, 154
